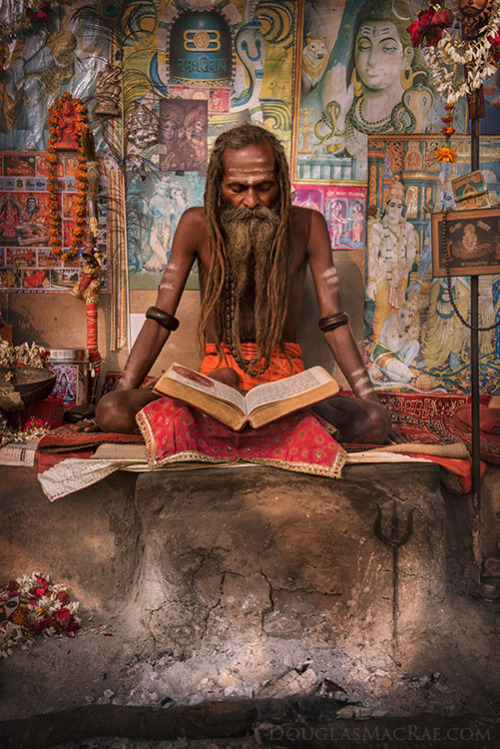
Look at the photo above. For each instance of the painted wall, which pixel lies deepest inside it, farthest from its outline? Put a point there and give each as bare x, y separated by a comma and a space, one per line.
191, 69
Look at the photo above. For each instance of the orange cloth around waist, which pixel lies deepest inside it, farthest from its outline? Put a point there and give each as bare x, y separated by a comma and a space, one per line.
278, 369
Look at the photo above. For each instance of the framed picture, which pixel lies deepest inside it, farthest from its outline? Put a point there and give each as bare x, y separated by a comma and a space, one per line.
469, 239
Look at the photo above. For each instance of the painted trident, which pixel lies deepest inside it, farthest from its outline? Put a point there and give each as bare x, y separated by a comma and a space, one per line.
395, 543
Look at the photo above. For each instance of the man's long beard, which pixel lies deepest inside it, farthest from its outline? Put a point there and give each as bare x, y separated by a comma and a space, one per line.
249, 243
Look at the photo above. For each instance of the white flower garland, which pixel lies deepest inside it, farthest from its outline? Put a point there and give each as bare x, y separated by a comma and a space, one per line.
35, 429
475, 53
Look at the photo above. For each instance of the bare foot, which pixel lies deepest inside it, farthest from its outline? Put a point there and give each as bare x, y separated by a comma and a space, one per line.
85, 425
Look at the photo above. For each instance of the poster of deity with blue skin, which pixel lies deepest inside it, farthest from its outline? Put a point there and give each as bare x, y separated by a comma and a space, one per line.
360, 76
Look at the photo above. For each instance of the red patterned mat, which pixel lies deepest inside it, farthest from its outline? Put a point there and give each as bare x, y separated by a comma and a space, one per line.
434, 419
63, 443
64, 439
428, 419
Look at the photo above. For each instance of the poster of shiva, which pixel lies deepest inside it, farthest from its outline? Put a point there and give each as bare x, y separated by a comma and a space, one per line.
358, 75
414, 338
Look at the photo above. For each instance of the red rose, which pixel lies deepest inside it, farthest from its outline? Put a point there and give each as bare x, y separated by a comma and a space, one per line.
72, 627
13, 586
42, 624
63, 596
44, 10
62, 615
495, 44
425, 15
430, 25
416, 32
41, 588
444, 18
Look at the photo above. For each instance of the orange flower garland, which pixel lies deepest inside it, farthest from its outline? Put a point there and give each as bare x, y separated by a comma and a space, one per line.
446, 152
79, 203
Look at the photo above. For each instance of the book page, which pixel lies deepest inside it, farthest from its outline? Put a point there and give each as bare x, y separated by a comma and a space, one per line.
272, 392
204, 384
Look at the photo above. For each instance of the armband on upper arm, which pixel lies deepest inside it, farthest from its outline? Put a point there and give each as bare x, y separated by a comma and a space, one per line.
165, 319
333, 321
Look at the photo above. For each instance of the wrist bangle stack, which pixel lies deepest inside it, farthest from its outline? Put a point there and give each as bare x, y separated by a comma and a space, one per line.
333, 321
165, 319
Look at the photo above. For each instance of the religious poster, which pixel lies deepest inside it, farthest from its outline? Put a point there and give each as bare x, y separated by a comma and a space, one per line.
218, 99
244, 47
199, 48
343, 207
357, 75
490, 124
183, 135
153, 212
414, 337
62, 55
69, 384
27, 262
236, 60
466, 243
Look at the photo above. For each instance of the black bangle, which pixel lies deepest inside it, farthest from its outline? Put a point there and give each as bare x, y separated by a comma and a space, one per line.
333, 321
165, 319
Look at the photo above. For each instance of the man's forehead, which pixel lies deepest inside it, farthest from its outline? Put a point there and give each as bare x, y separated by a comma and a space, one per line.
251, 162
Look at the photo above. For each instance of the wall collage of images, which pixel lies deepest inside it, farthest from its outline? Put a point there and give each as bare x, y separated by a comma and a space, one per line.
190, 69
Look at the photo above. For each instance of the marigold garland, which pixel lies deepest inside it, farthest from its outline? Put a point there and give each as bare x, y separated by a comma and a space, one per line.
79, 204
446, 152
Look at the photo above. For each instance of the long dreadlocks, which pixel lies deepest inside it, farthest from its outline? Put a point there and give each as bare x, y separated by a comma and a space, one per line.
269, 316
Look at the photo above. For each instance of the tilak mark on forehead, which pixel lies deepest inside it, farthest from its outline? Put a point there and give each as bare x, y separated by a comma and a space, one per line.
375, 31
252, 176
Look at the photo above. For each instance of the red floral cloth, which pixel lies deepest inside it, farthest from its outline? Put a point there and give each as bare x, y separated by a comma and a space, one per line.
175, 432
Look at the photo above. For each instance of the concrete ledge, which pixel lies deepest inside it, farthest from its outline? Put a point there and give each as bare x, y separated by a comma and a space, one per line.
261, 553
250, 583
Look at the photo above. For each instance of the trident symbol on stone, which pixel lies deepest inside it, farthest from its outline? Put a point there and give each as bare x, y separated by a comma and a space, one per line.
395, 543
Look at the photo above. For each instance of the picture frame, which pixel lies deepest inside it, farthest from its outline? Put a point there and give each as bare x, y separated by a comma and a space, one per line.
472, 239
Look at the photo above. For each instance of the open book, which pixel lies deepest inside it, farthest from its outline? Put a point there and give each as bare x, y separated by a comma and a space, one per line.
261, 405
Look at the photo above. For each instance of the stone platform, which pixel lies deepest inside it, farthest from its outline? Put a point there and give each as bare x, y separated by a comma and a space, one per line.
233, 585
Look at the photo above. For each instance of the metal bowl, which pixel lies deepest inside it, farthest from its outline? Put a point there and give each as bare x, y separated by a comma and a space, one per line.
22, 387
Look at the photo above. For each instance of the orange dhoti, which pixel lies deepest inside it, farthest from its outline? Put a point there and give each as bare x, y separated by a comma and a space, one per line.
279, 366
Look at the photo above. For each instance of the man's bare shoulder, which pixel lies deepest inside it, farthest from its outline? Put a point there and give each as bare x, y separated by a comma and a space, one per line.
194, 216
191, 228
308, 224
303, 215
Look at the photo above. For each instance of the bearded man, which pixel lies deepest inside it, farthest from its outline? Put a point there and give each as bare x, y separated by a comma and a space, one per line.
252, 247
